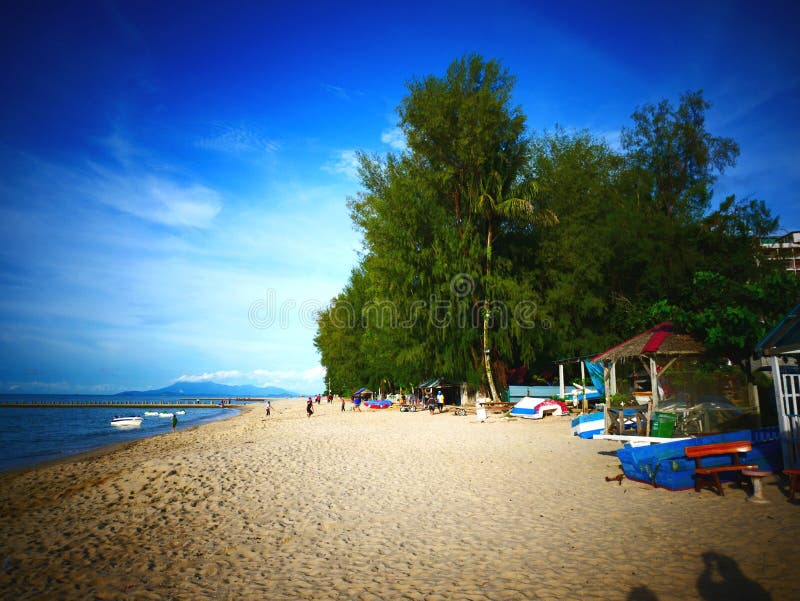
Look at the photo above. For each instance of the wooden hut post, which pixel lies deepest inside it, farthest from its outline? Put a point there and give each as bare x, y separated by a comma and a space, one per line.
652, 404
613, 377
562, 391
607, 382
654, 383
585, 404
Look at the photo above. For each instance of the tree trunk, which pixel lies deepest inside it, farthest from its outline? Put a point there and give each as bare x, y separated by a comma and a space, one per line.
487, 361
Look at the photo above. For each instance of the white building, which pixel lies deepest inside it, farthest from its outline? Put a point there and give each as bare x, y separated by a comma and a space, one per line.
784, 248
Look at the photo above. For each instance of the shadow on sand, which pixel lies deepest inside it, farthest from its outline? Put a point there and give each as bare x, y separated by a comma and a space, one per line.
720, 580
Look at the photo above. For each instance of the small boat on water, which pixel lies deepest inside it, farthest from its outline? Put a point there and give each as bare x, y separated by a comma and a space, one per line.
151, 413
126, 422
180, 412
164, 414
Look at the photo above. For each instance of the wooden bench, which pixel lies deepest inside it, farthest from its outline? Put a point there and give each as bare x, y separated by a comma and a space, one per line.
710, 475
794, 477
794, 480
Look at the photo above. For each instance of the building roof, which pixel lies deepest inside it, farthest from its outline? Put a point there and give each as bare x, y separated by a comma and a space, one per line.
658, 340
787, 238
437, 383
784, 338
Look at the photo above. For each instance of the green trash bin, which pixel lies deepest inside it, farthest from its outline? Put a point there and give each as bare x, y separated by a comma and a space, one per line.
662, 424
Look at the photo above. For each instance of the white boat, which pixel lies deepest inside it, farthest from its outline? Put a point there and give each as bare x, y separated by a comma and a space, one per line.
164, 414
180, 412
589, 424
126, 422
151, 413
537, 408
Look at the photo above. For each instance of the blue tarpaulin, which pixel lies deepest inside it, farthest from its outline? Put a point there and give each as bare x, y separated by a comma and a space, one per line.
596, 374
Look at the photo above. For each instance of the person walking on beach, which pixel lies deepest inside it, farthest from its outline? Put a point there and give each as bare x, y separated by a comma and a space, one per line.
174, 421
310, 407
269, 408
342, 403
440, 400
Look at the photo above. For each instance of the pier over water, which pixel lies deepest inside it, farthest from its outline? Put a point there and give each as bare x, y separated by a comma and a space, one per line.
184, 403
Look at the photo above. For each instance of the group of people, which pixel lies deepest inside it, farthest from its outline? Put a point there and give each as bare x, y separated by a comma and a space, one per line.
309, 405
318, 400
434, 402
430, 401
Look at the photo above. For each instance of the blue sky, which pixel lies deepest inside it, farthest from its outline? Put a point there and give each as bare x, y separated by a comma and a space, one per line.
173, 177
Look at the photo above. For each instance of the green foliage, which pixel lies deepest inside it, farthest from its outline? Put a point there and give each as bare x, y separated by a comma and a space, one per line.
430, 218
575, 179
477, 221
618, 399
731, 315
673, 157
463, 125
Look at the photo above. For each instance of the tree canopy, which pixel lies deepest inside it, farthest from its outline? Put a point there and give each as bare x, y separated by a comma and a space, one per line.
487, 249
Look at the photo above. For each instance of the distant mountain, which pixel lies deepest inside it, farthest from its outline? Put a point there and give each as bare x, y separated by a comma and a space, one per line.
212, 389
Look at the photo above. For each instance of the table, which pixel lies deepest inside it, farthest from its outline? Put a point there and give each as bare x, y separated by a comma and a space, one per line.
755, 478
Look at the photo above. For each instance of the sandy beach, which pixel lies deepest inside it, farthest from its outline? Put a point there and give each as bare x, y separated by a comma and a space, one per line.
381, 505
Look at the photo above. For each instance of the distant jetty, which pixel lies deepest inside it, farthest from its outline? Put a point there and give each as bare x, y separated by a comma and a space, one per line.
198, 403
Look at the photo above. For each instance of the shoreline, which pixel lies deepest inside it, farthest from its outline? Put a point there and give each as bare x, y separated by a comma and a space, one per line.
111, 447
380, 504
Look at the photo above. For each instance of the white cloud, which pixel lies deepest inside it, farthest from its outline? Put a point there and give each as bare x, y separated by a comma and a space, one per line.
346, 163
337, 91
95, 289
312, 378
155, 199
216, 376
395, 138
238, 140
340, 92
312, 373
612, 138
121, 149
55, 387
306, 380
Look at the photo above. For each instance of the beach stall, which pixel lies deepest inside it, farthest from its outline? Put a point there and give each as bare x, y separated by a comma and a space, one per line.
782, 347
364, 394
450, 390
661, 343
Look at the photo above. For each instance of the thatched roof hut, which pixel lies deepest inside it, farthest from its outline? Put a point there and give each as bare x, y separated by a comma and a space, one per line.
661, 341
658, 340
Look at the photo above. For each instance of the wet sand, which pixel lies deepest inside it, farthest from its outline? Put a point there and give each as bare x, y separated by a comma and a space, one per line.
381, 505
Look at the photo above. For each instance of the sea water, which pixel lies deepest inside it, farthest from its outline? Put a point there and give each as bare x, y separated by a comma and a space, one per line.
32, 435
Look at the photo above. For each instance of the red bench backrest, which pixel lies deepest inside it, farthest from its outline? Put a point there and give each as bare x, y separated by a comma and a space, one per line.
738, 446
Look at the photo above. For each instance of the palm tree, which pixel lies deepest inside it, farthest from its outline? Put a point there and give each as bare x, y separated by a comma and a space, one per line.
493, 206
